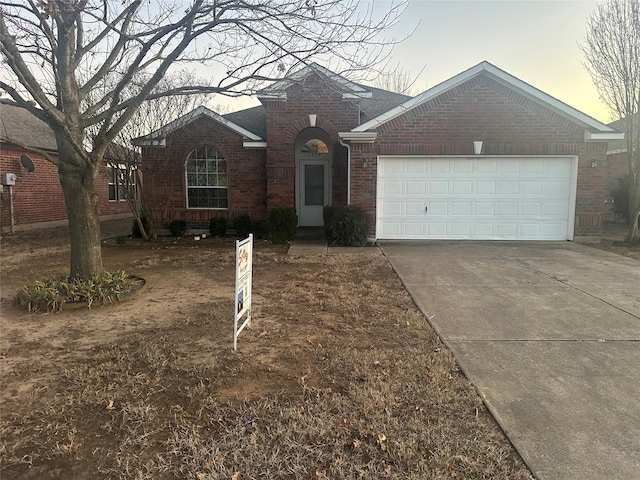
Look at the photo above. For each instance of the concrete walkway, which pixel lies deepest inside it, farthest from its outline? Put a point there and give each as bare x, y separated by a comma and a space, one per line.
550, 335
313, 242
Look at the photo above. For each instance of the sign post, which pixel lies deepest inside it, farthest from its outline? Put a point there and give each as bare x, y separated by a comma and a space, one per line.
244, 269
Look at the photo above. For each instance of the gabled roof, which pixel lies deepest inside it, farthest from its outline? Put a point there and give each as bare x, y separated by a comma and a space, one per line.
158, 137
278, 90
594, 130
20, 127
253, 119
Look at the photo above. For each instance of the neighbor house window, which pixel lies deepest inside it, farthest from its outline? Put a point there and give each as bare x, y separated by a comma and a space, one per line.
122, 182
206, 171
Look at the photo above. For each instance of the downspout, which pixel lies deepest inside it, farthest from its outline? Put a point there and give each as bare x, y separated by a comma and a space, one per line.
348, 147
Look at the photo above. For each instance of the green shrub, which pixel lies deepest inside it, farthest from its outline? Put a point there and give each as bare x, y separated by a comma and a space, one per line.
51, 294
283, 222
328, 211
121, 239
348, 227
135, 228
243, 225
178, 227
218, 226
620, 197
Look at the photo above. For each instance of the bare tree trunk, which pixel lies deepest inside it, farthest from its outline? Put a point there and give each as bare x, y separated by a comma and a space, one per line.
633, 236
78, 181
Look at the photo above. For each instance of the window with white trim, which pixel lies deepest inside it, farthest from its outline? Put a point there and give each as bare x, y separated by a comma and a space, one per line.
206, 175
122, 182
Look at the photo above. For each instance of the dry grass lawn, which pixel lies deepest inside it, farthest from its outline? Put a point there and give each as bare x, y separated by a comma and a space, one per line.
340, 377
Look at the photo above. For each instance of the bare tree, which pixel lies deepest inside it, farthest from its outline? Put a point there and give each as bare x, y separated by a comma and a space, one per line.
59, 51
612, 51
124, 157
399, 80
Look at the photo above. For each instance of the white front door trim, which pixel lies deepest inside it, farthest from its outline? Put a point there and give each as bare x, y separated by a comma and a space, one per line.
311, 215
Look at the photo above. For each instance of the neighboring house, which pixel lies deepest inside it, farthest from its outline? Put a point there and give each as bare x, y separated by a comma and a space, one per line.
617, 160
38, 200
319, 139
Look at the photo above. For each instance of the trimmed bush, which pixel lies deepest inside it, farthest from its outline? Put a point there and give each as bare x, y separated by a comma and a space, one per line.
218, 226
349, 227
178, 227
328, 211
135, 228
283, 222
243, 225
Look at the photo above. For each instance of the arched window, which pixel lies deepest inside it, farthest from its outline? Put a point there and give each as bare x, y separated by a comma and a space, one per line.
206, 176
314, 146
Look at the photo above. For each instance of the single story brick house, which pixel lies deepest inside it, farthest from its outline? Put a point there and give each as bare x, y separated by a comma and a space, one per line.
38, 200
483, 155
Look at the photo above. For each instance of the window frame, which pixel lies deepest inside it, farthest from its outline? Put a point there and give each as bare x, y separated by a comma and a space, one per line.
115, 182
218, 157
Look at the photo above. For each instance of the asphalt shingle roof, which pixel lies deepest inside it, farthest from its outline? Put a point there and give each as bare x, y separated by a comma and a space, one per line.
20, 127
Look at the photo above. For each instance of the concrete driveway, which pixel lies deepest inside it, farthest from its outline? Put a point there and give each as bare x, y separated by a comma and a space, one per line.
550, 335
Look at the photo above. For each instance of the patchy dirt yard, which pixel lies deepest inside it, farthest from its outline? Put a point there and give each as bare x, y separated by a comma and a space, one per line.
339, 378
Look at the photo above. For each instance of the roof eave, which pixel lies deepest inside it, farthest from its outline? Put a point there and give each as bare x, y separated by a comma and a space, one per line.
502, 77
358, 137
602, 136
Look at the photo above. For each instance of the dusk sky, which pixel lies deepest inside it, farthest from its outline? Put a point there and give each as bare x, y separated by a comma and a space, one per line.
536, 41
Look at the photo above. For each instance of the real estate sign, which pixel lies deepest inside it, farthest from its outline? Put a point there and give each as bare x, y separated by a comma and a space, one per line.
244, 268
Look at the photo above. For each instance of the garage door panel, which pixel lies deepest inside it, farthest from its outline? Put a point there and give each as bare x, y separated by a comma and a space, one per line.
487, 167
507, 209
414, 230
507, 231
532, 187
533, 166
461, 187
461, 209
392, 187
556, 187
416, 188
483, 230
391, 208
460, 230
463, 166
528, 209
438, 187
508, 187
484, 198
414, 208
554, 210
438, 209
484, 209
435, 167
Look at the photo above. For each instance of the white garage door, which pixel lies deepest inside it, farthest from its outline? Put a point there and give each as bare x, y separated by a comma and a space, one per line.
498, 198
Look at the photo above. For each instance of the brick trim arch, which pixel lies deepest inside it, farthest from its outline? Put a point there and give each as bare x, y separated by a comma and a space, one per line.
296, 127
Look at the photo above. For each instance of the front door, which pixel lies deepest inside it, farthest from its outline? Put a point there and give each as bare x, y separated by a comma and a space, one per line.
313, 191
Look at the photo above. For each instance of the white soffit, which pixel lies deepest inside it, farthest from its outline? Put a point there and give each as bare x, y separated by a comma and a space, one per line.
506, 79
358, 137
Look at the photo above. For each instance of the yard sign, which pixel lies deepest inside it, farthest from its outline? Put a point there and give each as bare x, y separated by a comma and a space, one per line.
244, 267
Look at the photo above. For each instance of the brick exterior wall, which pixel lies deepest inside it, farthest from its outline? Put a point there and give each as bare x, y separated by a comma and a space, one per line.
508, 124
38, 197
286, 119
165, 181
